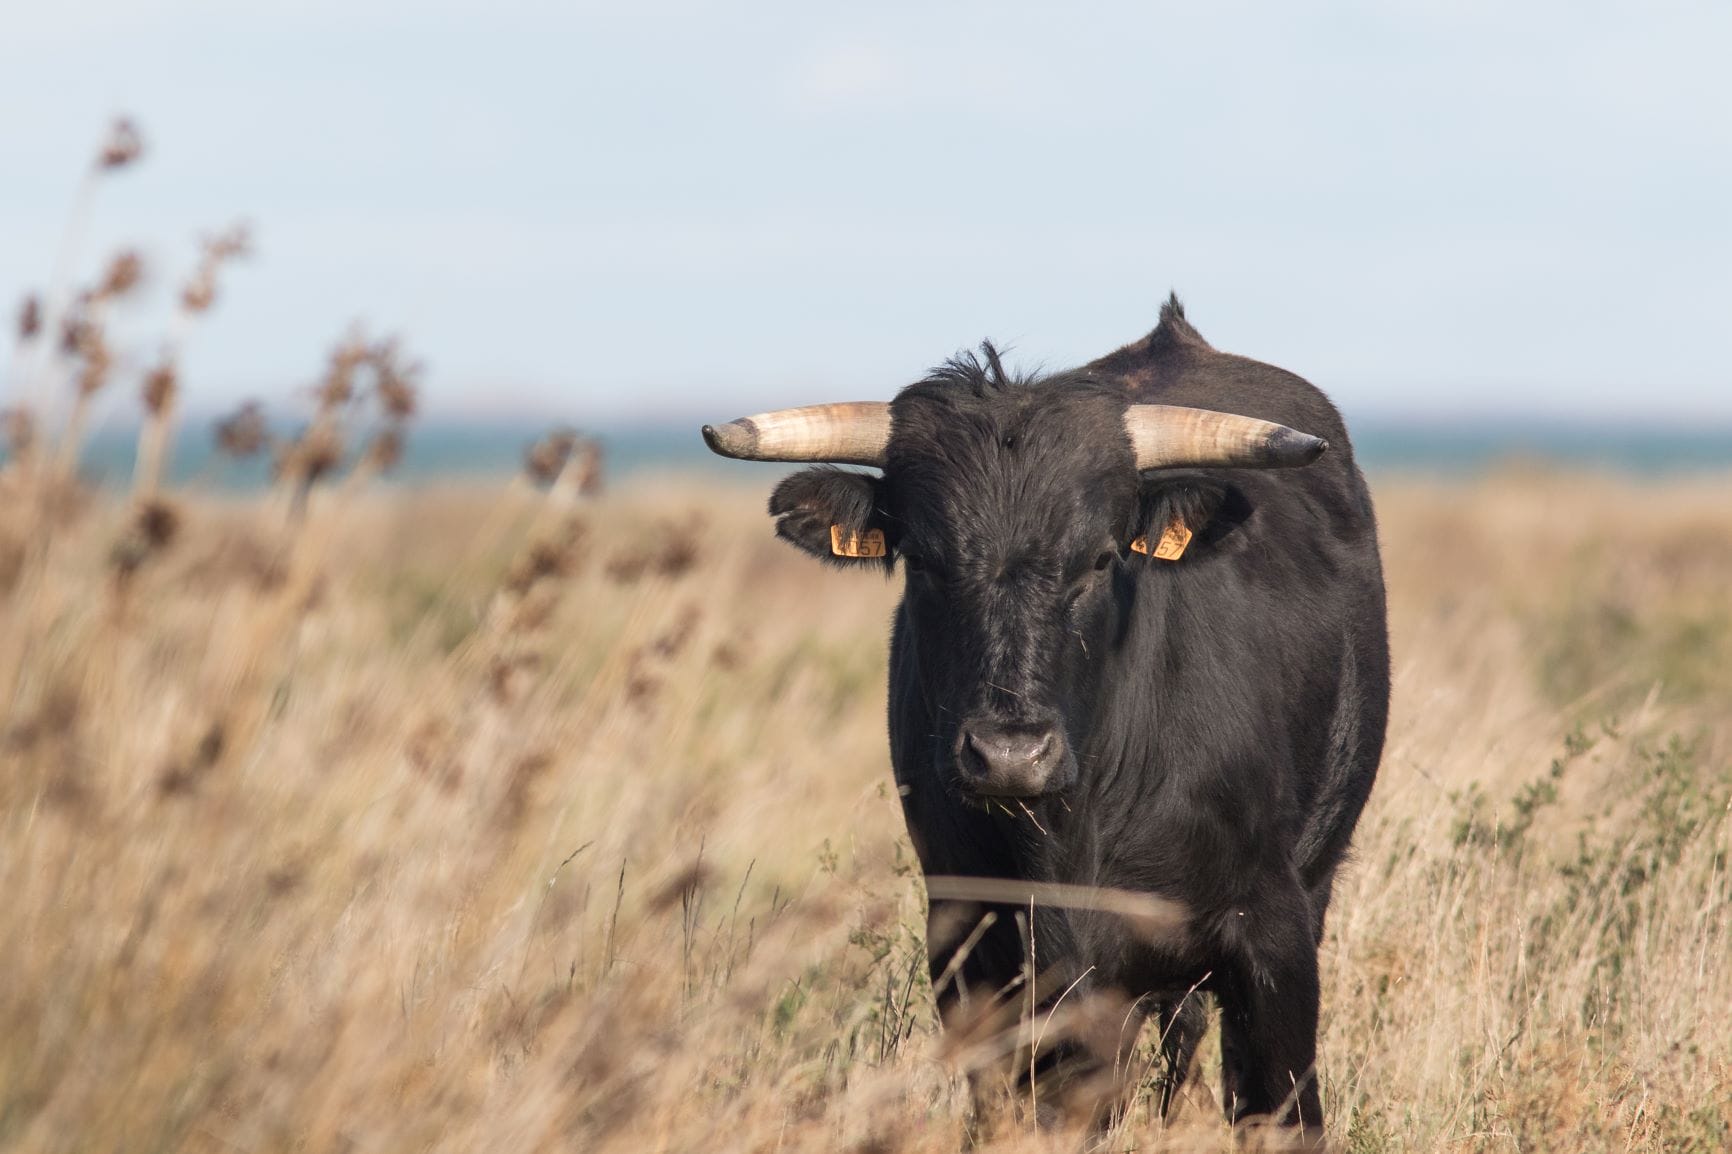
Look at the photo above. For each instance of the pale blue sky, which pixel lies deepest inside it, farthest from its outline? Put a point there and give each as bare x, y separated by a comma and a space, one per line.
657, 209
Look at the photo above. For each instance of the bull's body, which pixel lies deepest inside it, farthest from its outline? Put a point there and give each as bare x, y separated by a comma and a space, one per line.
1205, 730
1233, 738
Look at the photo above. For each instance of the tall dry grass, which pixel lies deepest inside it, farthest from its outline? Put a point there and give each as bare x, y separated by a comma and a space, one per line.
342, 819
509, 821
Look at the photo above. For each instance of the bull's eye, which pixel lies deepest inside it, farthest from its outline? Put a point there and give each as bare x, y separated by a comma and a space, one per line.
1091, 579
918, 566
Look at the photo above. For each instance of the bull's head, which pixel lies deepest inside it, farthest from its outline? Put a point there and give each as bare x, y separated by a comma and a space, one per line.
1014, 507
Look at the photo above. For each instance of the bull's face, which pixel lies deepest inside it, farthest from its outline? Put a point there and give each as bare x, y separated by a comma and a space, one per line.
1012, 507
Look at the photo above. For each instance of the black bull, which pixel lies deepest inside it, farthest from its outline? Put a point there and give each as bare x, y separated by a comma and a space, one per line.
1203, 727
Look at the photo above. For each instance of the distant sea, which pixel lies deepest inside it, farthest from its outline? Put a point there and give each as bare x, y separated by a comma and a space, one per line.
441, 450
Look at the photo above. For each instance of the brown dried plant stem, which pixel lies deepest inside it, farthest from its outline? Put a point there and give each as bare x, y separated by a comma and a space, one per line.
72, 435
270, 629
162, 384
17, 415
161, 388
40, 384
541, 562
559, 511
120, 149
72, 438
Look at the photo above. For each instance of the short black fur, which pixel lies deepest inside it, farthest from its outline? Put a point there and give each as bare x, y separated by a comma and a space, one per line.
1218, 719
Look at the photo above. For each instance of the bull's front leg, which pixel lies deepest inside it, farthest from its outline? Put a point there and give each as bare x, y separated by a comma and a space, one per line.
1044, 1043
979, 982
1269, 1008
1183, 1022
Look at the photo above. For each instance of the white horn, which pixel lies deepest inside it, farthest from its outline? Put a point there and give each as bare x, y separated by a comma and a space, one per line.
850, 433
1171, 436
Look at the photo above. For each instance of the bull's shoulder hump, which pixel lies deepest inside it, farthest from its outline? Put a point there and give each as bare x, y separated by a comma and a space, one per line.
1152, 357
1174, 365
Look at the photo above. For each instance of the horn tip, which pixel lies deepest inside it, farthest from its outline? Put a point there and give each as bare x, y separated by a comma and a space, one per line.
1291, 447
735, 439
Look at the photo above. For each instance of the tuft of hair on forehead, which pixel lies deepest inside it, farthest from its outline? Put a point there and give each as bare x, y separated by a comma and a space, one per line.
982, 375
979, 385
973, 426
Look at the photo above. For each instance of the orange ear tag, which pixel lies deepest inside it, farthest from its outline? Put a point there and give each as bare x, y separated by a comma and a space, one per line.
1170, 547
847, 544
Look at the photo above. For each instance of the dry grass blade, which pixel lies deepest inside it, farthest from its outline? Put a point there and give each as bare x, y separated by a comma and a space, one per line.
1154, 918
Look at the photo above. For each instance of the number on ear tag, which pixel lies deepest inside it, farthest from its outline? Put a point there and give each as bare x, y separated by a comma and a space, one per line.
845, 543
1170, 547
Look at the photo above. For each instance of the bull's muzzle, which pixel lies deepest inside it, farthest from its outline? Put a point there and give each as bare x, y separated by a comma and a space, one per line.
1010, 759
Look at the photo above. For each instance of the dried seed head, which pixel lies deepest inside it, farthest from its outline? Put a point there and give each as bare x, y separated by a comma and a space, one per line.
93, 351
678, 555
75, 326
338, 386
551, 557
672, 551
396, 395
183, 777
628, 568
157, 523
201, 287
153, 529
160, 385
335, 391
514, 805
123, 146
55, 717
393, 380
589, 477
671, 643
317, 453
29, 318
386, 449
544, 460
355, 370
243, 434
728, 655
200, 291
533, 611
232, 244
123, 274
429, 751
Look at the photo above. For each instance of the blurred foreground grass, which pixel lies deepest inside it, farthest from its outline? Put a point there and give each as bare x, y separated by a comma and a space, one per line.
462, 820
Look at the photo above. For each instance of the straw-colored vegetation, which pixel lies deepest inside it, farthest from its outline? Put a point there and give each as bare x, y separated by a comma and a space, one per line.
520, 825
343, 818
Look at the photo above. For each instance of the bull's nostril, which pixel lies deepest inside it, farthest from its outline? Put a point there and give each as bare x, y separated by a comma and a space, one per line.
986, 752
971, 757
982, 754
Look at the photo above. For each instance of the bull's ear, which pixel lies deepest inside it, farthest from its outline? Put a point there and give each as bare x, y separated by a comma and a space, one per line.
1188, 518
834, 515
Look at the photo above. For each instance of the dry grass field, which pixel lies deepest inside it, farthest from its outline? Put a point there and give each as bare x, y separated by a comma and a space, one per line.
494, 820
